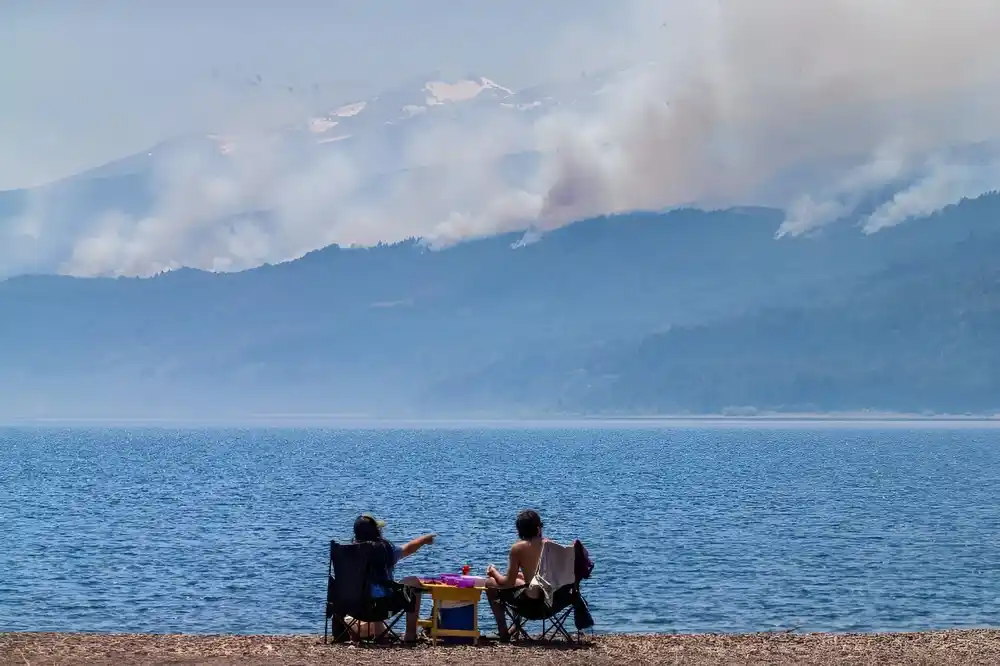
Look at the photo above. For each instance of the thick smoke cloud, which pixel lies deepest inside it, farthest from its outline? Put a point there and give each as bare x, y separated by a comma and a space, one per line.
810, 106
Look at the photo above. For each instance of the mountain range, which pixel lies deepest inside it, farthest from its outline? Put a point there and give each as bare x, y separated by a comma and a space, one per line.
916, 336
680, 312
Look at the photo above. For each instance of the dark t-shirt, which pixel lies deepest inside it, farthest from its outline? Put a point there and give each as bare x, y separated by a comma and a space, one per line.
397, 553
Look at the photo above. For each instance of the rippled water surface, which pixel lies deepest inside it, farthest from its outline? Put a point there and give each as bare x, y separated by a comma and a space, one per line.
691, 530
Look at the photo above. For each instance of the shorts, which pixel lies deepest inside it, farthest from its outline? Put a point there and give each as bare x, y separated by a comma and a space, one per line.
528, 607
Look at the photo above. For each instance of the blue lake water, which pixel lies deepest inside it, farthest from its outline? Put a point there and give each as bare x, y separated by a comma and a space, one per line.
709, 529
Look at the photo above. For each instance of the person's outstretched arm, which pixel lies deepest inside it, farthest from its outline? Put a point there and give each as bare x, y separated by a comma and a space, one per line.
416, 545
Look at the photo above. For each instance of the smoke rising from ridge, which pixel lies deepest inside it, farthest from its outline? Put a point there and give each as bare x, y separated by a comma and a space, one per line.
863, 94
808, 106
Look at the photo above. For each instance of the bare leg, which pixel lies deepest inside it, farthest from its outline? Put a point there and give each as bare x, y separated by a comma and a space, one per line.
373, 629
411, 620
413, 583
493, 596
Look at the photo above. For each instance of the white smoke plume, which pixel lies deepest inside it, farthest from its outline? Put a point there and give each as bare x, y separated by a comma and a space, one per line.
809, 106
837, 97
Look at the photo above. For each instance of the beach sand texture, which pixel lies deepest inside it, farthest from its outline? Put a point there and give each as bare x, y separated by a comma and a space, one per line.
946, 647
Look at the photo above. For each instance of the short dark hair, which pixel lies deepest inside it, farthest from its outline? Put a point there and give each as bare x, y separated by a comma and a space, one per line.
529, 524
366, 529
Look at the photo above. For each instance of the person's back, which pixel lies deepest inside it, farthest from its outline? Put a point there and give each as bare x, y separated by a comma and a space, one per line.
525, 556
528, 553
368, 529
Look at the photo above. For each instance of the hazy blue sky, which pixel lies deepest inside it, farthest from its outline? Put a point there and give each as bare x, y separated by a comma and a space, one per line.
85, 82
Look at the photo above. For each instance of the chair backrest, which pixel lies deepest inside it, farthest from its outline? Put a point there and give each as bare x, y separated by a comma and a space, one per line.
583, 566
557, 564
561, 565
355, 568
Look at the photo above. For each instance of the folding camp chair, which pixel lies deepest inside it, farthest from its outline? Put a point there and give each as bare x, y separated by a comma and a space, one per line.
353, 570
565, 600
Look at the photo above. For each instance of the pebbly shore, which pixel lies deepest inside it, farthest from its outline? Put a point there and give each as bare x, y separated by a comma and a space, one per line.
925, 648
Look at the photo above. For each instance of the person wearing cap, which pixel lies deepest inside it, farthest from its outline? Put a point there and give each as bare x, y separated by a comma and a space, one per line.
368, 528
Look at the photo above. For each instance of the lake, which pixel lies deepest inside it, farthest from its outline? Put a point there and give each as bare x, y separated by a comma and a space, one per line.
692, 529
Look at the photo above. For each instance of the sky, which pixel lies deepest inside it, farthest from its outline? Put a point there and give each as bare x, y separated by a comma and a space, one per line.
86, 82
814, 108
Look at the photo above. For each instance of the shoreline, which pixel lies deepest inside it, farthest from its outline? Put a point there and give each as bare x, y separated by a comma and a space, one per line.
957, 646
583, 421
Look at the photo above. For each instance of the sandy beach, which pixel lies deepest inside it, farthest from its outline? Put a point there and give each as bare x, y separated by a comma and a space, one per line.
948, 647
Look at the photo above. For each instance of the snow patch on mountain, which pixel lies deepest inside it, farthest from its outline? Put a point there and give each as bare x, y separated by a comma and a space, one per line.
321, 125
521, 107
350, 110
487, 83
440, 92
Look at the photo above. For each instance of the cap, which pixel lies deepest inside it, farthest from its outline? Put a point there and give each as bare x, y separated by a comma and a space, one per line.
368, 516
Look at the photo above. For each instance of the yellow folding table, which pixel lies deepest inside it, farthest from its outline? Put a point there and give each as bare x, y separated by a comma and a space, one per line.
441, 593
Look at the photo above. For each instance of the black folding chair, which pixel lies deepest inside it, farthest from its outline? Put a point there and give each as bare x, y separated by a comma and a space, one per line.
353, 570
553, 618
565, 600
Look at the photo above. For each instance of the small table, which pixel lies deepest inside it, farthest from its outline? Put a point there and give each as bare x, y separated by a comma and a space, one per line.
441, 593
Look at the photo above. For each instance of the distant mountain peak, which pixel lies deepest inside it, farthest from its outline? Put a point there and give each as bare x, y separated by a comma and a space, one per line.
406, 101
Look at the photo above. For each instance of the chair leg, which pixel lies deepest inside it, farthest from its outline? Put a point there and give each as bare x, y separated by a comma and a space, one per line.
558, 627
329, 610
389, 630
339, 630
516, 631
353, 629
553, 628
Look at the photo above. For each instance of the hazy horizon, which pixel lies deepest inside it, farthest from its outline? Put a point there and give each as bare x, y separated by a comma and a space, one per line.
777, 420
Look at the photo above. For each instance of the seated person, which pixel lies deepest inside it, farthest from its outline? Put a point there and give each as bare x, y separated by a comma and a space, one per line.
366, 528
523, 564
